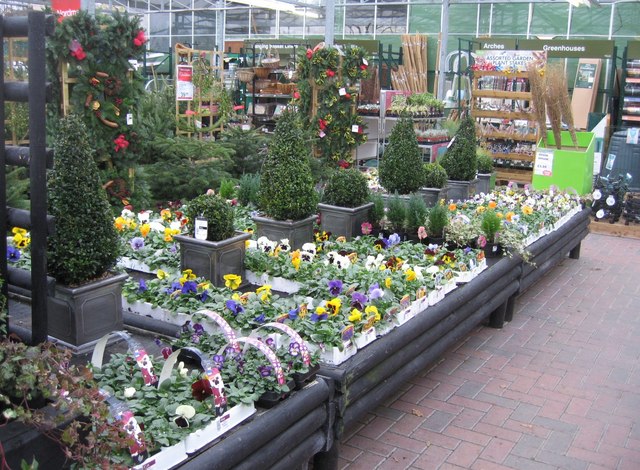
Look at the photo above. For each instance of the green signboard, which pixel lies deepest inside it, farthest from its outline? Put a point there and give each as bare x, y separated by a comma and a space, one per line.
570, 48
633, 50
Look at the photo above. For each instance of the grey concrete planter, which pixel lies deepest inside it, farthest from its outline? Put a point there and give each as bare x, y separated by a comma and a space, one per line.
343, 221
298, 232
79, 316
483, 184
458, 190
431, 196
213, 260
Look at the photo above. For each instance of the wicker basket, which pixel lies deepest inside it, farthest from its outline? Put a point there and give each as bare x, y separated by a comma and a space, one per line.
245, 75
271, 62
262, 72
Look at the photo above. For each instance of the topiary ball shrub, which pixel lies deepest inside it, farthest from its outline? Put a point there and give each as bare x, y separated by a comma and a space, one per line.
346, 188
485, 162
85, 244
435, 176
459, 161
287, 190
217, 211
401, 168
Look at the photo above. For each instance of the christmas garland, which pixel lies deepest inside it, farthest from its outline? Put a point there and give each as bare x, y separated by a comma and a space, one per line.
334, 74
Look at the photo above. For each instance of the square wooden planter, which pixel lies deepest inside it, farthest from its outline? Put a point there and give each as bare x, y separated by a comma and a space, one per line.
213, 260
298, 232
343, 221
79, 316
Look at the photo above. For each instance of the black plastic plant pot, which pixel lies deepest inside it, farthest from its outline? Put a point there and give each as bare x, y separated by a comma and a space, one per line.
302, 379
270, 399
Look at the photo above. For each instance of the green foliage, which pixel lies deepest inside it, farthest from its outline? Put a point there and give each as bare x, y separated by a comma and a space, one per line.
17, 188
217, 211
286, 189
347, 188
416, 212
459, 161
17, 121
376, 213
490, 224
249, 190
485, 162
396, 212
85, 243
435, 175
227, 189
3, 310
437, 220
401, 168
249, 147
155, 118
186, 167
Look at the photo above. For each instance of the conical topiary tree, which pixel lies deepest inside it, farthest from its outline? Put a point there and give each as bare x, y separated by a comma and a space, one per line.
85, 243
286, 184
401, 169
460, 161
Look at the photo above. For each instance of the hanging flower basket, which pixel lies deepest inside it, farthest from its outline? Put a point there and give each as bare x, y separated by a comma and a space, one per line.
245, 75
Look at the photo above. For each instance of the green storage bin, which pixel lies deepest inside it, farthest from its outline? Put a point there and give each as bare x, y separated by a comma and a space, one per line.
568, 168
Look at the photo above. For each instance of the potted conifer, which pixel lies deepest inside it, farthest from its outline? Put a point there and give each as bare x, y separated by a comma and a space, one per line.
288, 199
345, 203
435, 182
87, 301
212, 248
459, 161
485, 169
401, 169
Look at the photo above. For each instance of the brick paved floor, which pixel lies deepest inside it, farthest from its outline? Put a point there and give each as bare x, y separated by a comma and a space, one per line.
557, 388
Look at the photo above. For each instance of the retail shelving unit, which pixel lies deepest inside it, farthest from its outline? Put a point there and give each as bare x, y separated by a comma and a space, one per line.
629, 115
499, 103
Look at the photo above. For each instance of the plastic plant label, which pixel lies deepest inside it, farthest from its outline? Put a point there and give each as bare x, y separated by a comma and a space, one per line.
355, 128
342, 91
212, 374
200, 231
421, 292
129, 119
365, 61
347, 333
405, 301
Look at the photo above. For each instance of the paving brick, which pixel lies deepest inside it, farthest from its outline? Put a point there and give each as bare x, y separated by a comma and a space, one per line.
469, 403
465, 454
438, 421
467, 435
482, 464
497, 450
370, 445
597, 458
432, 458
400, 459
376, 428
522, 463
366, 461
407, 424
498, 432
467, 418
403, 442
435, 438
525, 412
579, 406
561, 461
415, 394
469, 389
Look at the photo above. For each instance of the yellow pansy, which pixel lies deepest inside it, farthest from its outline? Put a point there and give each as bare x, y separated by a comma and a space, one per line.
321, 310
119, 223
232, 281
161, 274
334, 306
189, 274
527, 210
509, 216
410, 274
481, 209
500, 215
387, 282
204, 285
296, 259
21, 241
165, 214
372, 310
144, 230
18, 230
264, 292
355, 315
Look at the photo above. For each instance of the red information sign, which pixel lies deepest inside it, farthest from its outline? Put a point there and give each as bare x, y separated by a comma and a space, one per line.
65, 7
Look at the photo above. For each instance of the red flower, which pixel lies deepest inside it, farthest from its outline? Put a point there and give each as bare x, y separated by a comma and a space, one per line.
309, 53
121, 143
201, 389
363, 67
330, 73
140, 39
296, 95
344, 164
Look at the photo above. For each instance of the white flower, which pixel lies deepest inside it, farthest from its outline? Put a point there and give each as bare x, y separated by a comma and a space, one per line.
126, 213
182, 370
252, 245
418, 270
285, 245
129, 392
156, 226
309, 248
175, 225
433, 270
143, 216
342, 262
372, 263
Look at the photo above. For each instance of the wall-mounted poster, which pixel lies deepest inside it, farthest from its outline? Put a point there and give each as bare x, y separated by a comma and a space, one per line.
585, 89
586, 76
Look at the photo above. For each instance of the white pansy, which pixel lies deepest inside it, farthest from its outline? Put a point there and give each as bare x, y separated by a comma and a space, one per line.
252, 245
126, 213
175, 225
129, 392
156, 226
309, 248
143, 216
433, 270
186, 411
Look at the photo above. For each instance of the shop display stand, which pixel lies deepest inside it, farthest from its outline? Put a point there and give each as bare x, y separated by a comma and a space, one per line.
506, 125
629, 114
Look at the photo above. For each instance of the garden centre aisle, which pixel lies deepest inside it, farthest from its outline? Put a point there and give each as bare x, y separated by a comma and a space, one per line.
557, 388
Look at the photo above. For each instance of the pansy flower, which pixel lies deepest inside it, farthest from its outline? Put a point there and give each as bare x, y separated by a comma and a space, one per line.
201, 389
13, 254
234, 307
358, 300
335, 287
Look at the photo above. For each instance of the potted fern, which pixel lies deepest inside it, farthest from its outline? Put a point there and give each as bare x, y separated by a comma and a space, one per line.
212, 249
288, 199
485, 170
87, 301
459, 161
345, 203
435, 182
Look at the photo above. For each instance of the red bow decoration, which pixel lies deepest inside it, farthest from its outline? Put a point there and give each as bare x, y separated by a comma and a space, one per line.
76, 50
363, 67
330, 73
309, 53
322, 123
121, 143
140, 39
